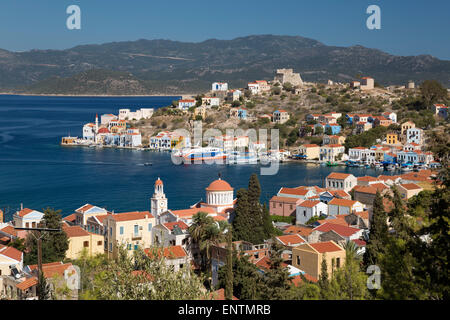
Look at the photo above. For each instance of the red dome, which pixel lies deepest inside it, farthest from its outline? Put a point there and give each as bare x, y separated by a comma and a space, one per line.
158, 182
219, 185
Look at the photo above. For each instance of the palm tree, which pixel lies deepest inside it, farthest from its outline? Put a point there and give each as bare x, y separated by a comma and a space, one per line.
351, 250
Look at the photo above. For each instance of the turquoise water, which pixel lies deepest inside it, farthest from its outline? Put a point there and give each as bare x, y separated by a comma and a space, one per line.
36, 171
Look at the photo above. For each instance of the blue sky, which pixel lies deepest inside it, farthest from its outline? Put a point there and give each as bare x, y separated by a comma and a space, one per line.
408, 27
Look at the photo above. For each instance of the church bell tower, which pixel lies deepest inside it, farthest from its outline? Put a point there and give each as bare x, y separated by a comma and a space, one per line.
159, 200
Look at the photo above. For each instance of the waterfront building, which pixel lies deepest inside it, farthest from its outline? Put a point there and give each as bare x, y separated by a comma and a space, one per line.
106, 118
310, 151
280, 116
309, 256
175, 257
27, 218
309, 209
229, 143
169, 140
186, 104
131, 229
89, 132
333, 139
340, 181
143, 113
331, 152
219, 86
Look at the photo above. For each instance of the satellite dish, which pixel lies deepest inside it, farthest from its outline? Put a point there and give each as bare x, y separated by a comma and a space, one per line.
17, 276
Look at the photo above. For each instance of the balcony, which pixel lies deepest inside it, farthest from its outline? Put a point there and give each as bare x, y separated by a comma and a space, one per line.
136, 236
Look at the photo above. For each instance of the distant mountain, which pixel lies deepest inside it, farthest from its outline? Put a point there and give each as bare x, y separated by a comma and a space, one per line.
170, 66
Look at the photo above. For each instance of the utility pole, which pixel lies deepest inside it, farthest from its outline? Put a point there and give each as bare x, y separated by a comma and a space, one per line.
39, 246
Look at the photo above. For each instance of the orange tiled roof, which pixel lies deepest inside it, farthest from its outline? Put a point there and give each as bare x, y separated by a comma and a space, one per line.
75, 231
219, 185
12, 253
9, 230
338, 175
294, 191
179, 224
24, 212
284, 199
339, 229
327, 246
410, 186
298, 279
188, 213
70, 218
309, 203
28, 283
172, 252
303, 231
342, 202
127, 216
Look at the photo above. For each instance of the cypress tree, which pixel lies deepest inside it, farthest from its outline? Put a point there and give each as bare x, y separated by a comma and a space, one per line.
43, 288
267, 223
255, 209
376, 244
324, 283
276, 282
241, 222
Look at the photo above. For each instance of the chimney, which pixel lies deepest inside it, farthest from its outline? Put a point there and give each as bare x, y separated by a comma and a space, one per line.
21, 206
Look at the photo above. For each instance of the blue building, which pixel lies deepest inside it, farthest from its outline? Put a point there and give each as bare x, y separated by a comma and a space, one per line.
335, 128
242, 113
349, 118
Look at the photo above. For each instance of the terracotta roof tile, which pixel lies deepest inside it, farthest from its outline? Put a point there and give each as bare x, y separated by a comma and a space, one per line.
327, 246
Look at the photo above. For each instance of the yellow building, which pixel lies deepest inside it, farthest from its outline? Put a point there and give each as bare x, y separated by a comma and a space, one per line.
131, 229
392, 138
407, 125
200, 111
80, 239
311, 151
308, 257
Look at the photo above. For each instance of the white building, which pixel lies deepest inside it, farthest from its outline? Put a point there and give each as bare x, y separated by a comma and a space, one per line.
186, 104
219, 86
308, 209
106, 118
390, 115
414, 135
27, 218
211, 101
253, 87
89, 132
343, 206
234, 95
158, 200
340, 181
143, 113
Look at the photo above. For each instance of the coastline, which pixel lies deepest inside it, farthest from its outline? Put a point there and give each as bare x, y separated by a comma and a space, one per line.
182, 95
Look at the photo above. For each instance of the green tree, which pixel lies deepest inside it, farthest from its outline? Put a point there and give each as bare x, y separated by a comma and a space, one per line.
229, 265
54, 244
276, 281
18, 243
318, 130
376, 244
324, 282
432, 91
43, 288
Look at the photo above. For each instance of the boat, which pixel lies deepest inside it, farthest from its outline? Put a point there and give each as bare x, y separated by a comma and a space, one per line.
332, 164
200, 154
391, 167
148, 164
236, 157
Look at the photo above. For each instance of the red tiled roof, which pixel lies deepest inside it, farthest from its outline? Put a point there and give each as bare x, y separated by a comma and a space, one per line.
298, 279
359, 242
327, 246
24, 212
187, 213
12, 253
75, 231
284, 199
410, 186
367, 178
294, 191
219, 185
309, 203
338, 175
127, 216
70, 218
303, 231
9, 230
339, 229
180, 224
172, 252
28, 283
342, 202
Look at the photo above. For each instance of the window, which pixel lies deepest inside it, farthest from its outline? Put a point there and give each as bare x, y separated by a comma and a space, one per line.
304, 213
86, 244
99, 243
274, 205
291, 207
135, 247
121, 230
149, 227
110, 231
181, 266
298, 260
129, 246
338, 262
136, 229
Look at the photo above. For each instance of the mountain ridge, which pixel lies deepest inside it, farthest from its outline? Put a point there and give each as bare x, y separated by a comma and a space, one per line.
192, 66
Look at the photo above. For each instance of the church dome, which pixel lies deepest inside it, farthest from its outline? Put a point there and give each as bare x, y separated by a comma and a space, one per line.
219, 185
158, 182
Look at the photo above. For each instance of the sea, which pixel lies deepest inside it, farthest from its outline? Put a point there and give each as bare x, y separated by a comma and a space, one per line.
37, 172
